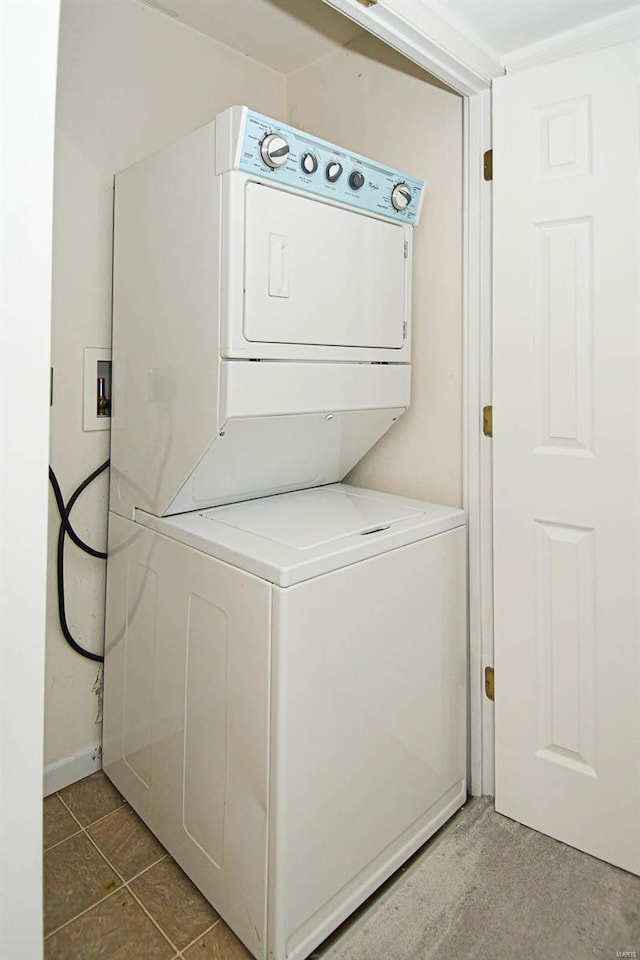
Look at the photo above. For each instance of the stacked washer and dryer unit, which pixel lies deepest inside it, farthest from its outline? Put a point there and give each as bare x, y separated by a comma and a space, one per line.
285, 664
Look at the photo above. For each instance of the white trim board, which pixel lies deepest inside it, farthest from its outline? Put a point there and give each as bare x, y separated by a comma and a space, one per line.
64, 772
606, 32
477, 448
29, 42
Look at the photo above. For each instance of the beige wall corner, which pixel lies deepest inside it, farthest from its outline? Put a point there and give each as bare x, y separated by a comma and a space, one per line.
130, 80
372, 100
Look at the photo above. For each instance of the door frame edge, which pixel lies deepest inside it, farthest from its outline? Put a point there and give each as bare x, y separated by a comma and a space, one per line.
477, 453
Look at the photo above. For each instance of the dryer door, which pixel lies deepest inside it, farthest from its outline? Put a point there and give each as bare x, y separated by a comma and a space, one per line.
319, 274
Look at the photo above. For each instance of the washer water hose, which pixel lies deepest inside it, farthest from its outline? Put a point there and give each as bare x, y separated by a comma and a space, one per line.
66, 528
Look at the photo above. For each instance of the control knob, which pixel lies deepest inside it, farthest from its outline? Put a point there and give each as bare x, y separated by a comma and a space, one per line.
334, 171
274, 150
401, 196
356, 180
309, 163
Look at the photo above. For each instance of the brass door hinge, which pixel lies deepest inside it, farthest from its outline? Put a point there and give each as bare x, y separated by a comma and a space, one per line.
488, 165
487, 421
368, 3
489, 683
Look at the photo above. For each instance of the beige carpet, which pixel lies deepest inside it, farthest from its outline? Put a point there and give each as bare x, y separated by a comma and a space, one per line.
486, 888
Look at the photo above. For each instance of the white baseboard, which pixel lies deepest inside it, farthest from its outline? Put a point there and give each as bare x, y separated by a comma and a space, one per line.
66, 771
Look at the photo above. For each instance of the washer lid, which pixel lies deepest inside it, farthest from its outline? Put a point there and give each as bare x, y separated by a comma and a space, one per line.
310, 519
296, 536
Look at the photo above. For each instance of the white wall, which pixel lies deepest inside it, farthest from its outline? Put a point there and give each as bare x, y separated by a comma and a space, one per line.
130, 80
374, 101
29, 34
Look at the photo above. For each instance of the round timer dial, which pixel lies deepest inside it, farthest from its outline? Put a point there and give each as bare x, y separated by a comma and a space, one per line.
274, 150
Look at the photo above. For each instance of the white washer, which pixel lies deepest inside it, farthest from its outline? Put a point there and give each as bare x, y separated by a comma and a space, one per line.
285, 697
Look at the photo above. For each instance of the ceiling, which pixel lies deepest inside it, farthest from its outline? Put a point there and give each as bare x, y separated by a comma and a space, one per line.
289, 34
282, 34
503, 26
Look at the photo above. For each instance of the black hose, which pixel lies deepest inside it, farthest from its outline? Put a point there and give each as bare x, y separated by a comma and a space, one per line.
65, 527
64, 517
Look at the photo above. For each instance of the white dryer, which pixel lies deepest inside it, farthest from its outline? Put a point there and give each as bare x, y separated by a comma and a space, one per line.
286, 697
261, 314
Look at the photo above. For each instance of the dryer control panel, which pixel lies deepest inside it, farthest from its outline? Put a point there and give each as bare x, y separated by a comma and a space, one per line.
294, 158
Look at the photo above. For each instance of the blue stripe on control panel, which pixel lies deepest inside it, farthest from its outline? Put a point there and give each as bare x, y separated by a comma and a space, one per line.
379, 181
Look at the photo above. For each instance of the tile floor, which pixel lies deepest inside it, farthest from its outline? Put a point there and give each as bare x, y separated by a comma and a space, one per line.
483, 888
111, 890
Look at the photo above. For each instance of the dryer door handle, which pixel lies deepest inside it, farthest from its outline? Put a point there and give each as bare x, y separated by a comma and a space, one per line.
278, 265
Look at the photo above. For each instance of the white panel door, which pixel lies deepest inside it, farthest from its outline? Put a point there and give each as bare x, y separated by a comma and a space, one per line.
566, 451
318, 274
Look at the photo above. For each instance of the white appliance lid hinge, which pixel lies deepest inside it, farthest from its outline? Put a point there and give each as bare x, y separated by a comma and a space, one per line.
404, 330
406, 249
